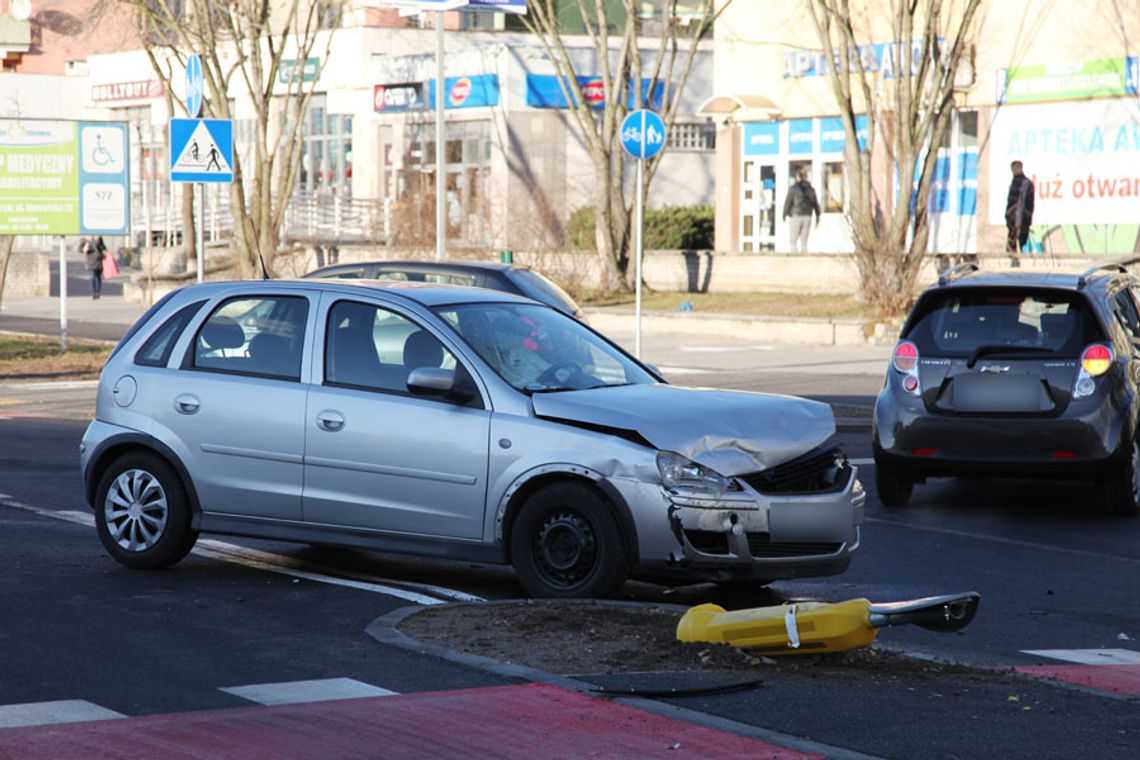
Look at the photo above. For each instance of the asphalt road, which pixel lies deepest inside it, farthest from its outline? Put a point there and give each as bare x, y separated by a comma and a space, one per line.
1053, 575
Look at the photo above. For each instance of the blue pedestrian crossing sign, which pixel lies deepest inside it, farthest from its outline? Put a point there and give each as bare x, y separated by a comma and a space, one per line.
642, 134
201, 150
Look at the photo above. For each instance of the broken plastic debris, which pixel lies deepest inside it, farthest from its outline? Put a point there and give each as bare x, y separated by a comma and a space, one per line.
816, 627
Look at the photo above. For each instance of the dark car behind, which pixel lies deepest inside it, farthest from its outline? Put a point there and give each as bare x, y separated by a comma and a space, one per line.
518, 279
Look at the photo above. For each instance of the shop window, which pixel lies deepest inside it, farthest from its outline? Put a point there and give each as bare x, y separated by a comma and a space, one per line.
326, 153
794, 168
833, 187
967, 129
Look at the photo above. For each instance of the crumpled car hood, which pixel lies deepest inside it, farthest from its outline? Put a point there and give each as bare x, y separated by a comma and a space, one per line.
733, 432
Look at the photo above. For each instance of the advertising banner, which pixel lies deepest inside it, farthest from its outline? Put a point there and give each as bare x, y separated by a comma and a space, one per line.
1110, 77
1083, 158
63, 177
477, 91
545, 91
404, 96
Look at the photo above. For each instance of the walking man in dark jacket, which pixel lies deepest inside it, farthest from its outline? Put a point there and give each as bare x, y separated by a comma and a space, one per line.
94, 260
1018, 209
799, 205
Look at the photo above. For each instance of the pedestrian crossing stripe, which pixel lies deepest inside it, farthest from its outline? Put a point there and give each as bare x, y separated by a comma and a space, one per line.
295, 692
201, 150
1089, 656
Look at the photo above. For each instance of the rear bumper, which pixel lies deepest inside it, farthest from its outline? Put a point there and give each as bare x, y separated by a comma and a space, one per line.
1090, 441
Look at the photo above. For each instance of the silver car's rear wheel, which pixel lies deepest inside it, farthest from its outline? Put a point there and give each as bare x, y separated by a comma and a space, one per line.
141, 512
136, 510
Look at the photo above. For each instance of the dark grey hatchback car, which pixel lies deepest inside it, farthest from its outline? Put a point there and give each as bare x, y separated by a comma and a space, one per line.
1016, 374
518, 279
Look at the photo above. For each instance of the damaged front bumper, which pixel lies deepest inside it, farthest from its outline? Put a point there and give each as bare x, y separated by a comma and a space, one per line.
750, 535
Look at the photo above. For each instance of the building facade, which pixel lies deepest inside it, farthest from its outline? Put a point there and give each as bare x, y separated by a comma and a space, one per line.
516, 167
1053, 85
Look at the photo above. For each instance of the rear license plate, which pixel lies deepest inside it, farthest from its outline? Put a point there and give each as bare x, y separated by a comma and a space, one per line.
999, 393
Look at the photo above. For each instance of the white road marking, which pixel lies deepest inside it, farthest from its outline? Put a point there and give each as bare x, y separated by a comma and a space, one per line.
1089, 656
276, 563
724, 349
77, 385
46, 713
294, 692
684, 371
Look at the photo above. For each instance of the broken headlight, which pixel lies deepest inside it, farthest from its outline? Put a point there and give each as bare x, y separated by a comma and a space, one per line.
680, 472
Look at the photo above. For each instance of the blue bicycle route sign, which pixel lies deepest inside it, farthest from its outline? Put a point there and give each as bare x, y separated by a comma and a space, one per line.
642, 134
193, 86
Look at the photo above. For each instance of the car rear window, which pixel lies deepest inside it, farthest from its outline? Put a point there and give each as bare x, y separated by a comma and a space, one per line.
958, 322
541, 288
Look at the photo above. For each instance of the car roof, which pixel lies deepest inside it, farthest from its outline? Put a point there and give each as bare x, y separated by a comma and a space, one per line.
427, 266
1062, 278
425, 294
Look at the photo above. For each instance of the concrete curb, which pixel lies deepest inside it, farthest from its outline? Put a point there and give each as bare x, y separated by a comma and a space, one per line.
384, 631
746, 327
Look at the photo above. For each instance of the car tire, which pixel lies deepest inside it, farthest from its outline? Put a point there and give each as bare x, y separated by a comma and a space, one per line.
1121, 494
894, 489
566, 544
142, 514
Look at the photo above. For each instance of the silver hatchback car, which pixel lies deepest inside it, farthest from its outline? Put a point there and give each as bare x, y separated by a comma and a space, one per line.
451, 422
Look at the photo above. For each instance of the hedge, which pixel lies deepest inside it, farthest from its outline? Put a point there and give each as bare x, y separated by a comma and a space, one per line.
669, 228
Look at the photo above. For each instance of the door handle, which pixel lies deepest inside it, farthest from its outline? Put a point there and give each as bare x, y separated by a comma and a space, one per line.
330, 420
187, 404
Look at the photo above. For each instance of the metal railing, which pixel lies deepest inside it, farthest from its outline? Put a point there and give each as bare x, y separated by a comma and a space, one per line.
309, 218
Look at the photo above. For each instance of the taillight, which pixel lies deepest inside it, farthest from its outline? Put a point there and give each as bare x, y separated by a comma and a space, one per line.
905, 357
1096, 359
905, 360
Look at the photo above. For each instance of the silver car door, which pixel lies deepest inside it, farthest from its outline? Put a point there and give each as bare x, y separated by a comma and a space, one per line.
236, 405
377, 456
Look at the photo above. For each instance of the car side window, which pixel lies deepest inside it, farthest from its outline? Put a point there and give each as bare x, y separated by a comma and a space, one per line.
353, 273
155, 351
257, 335
372, 348
1125, 310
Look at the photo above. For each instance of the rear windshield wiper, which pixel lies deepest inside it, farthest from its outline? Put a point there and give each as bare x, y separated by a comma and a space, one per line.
981, 351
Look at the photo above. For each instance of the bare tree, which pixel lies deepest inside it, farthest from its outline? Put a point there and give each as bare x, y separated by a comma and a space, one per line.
6, 242
618, 56
907, 119
258, 48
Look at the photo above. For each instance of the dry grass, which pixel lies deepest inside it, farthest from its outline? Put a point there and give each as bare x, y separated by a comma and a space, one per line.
30, 358
814, 305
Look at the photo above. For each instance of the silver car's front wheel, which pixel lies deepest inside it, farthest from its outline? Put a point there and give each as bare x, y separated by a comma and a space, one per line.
141, 512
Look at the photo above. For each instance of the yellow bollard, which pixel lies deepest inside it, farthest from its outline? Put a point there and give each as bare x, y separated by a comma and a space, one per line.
807, 628
816, 627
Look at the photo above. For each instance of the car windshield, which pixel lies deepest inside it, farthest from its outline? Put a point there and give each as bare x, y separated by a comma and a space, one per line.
986, 321
541, 288
540, 350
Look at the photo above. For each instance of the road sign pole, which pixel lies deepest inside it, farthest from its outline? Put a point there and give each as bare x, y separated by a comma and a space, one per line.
638, 227
440, 167
62, 293
199, 231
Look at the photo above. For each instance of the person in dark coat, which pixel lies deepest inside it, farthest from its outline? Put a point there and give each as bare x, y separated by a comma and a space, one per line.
1018, 209
94, 259
799, 205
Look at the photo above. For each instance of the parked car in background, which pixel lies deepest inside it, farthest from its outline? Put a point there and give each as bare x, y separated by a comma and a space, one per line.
451, 422
1016, 374
509, 278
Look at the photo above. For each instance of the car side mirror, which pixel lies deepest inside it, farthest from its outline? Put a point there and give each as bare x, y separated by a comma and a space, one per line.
440, 383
